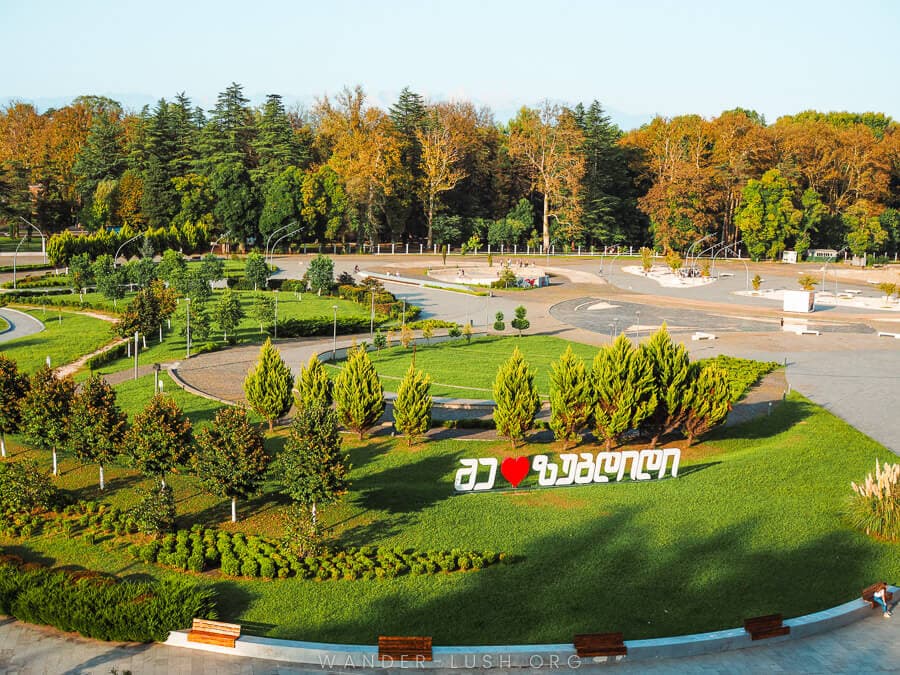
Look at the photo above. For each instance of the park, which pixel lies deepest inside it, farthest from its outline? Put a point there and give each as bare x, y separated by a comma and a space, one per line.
394, 547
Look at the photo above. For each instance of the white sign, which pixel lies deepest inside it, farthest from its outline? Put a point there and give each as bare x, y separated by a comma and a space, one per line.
478, 475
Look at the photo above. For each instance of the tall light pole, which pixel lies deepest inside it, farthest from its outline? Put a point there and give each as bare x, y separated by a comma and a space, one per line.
637, 324
276, 314
372, 317
334, 336
119, 250
403, 320
43, 237
187, 332
16, 255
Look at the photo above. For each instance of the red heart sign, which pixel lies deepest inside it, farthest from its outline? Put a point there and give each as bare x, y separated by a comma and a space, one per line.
515, 469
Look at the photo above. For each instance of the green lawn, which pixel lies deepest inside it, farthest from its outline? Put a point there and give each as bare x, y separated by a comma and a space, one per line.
66, 337
753, 525
133, 396
290, 306
4, 325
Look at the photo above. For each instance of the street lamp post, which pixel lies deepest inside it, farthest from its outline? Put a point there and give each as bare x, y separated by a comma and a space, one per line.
276, 314
637, 324
372, 317
43, 237
187, 332
272, 234
403, 320
16, 255
119, 250
334, 336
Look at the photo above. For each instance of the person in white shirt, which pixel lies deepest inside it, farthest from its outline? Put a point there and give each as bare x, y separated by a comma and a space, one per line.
879, 598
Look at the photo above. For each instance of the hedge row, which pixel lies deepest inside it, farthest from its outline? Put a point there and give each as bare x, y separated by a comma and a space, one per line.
322, 325
238, 556
742, 373
41, 281
100, 606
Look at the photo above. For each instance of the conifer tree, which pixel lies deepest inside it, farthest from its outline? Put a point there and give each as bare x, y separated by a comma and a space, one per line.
268, 385
412, 408
673, 376
96, 424
358, 393
231, 459
313, 467
570, 397
314, 387
622, 390
45, 412
708, 401
516, 398
520, 323
13, 387
159, 438
499, 324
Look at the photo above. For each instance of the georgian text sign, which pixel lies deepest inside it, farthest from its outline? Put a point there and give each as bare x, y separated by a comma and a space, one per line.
478, 475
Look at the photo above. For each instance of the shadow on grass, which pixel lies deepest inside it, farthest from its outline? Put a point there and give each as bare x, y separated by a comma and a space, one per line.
784, 416
562, 587
408, 488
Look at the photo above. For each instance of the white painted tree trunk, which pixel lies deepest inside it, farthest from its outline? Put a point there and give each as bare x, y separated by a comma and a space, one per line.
234, 509
102, 483
163, 482
3, 445
312, 513
55, 465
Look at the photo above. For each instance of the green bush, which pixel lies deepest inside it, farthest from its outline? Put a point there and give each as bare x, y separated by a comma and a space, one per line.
155, 513
24, 487
875, 505
742, 373
100, 606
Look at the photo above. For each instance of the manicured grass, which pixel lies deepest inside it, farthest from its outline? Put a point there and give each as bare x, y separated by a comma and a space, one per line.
4, 324
467, 370
66, 337
134, 395
290, 306
753, 525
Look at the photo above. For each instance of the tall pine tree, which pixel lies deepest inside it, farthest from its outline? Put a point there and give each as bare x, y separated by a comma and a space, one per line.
708, 401
412, 407
268, 385
358, 393
673, 377
516, 398
623, 391
314, 387
570, 397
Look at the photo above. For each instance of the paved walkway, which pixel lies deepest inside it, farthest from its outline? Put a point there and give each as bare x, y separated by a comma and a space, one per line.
871, 645
20, 324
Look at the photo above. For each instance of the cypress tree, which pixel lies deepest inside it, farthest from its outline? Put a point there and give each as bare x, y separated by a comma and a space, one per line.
268, 385
13, 387
707, 402
314, 387
516, 398
570, 397
673, 376
45, 412
358, 393
412, 409
96, 424
623, 391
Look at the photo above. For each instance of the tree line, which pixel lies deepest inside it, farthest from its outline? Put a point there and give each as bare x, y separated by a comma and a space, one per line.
448, 173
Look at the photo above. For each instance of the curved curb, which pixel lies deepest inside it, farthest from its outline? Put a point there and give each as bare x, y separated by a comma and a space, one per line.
12, 325
551, 656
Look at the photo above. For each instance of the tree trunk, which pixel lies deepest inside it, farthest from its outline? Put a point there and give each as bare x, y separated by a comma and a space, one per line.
2, 445
55, 464
546, 222
271, 423
430, 220
313, 515
102, 482
234, 509
162, 482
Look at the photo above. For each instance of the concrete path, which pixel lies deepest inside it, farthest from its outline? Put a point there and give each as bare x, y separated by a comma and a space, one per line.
20, 323
868, 646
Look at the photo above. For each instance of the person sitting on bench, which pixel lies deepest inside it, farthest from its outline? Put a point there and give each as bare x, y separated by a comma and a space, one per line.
878, 597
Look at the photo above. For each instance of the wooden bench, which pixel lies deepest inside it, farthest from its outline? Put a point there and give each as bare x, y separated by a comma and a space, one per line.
600, 644
762, 627
214, 632
868, 594
703, 336
408, 648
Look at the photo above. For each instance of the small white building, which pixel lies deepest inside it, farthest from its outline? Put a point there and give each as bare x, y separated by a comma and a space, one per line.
789, 257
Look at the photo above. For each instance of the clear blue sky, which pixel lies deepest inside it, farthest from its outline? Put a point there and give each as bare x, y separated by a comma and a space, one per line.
637, 57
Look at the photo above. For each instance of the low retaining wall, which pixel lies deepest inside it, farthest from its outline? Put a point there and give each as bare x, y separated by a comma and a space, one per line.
550, 656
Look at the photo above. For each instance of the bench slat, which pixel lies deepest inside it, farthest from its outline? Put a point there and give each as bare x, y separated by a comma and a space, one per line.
762, 627
208, 626
211, 638
600, 644
415, 647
